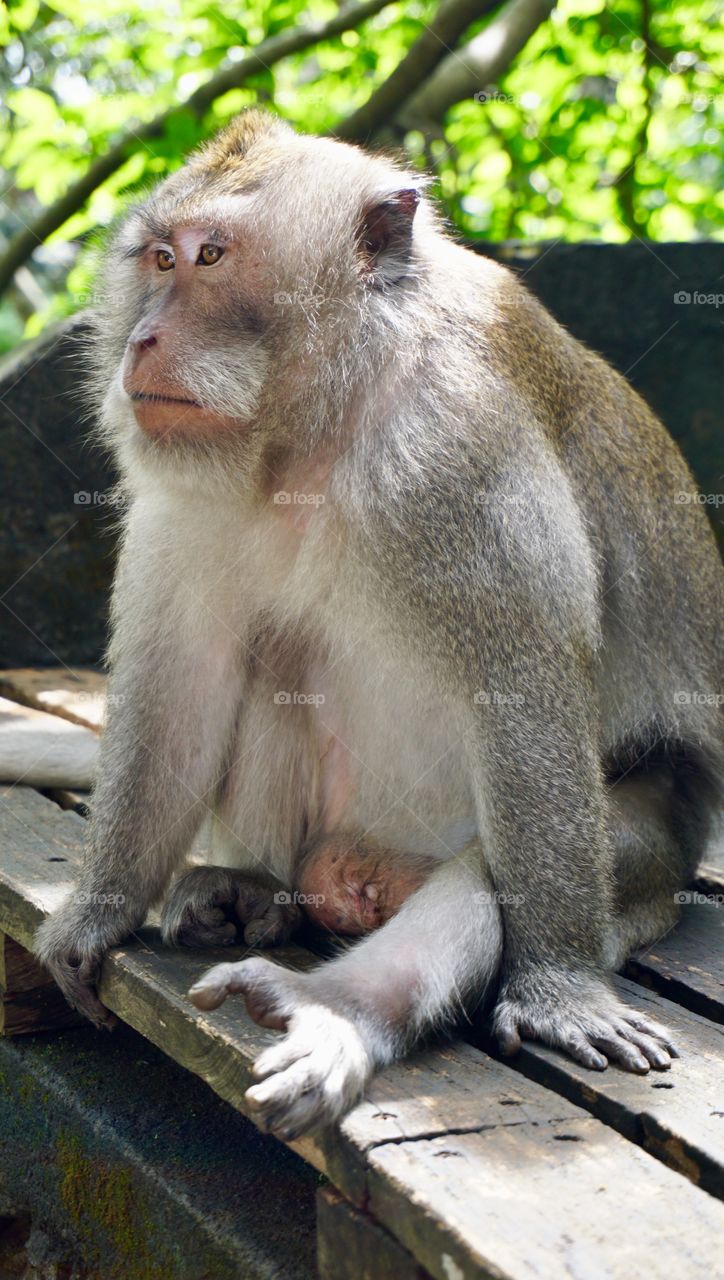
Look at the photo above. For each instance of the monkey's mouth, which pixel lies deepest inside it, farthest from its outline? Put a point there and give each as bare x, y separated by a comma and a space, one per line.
152, 397
162, 416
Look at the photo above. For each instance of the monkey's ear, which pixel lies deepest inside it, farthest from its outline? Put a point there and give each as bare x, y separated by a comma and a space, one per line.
385, 238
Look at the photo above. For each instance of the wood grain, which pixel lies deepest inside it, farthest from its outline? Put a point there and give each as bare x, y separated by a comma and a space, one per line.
678, 1115
687, 966
44, 750
352, 1246
77, 694
29, 999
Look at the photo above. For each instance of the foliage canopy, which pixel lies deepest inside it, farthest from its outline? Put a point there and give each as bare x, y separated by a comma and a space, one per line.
608, 123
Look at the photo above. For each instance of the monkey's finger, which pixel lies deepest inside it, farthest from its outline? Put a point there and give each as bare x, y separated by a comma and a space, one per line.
266, 931
85, 1001
77, 982
213, 987
291, 1102
654, 1029
627, 1055
289, 1118
312, 1091
297, 1079
211, 932
257, 980
657, 1055
280, 1056
508, 1036
584, 1052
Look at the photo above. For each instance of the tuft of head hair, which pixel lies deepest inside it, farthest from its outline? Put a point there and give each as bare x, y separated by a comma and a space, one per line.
236, 140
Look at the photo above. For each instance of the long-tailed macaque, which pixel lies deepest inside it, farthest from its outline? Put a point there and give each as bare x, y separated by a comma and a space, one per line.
404, 566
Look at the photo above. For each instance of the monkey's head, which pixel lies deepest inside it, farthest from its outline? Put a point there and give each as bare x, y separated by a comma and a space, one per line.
245, 301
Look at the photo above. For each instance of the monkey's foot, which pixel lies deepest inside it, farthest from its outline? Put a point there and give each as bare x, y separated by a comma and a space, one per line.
216, 906
321, 1066
588, 1022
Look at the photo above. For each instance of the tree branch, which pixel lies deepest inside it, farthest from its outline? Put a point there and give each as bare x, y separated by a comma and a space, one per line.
451, 20
625, 183
481, 62
265, 55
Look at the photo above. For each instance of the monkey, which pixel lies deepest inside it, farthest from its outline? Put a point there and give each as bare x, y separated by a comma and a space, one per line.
404, 566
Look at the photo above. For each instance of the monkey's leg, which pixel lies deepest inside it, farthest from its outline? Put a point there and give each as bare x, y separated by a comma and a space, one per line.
659, 820
215, 906
357, 1013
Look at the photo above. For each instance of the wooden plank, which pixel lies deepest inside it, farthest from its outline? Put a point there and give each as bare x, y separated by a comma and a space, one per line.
687, 965
77, 694
536, 1202
710, 875
352, 1246
677, 1115
44, 750
477, 1170
29, 999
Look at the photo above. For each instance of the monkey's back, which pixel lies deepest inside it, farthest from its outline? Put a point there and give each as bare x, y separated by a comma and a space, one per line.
660, 590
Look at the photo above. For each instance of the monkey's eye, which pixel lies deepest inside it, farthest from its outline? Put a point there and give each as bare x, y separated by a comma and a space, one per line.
208, 255
165, 260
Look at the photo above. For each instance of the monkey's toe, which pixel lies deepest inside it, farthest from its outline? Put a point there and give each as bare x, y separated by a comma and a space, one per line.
215, 906
205, 928
199, 910
273, 926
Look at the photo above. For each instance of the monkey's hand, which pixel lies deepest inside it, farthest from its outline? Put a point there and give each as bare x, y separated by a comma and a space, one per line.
210, 906
71, 945
320, 1068
579, 1013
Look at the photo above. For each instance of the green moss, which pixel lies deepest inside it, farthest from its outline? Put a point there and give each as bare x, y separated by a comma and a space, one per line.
109, 1216
26, 1090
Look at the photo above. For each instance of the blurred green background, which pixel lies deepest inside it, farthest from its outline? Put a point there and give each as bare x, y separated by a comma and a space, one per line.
596, 122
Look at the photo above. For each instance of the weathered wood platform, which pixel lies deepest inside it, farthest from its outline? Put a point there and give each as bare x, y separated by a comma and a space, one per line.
456, 1165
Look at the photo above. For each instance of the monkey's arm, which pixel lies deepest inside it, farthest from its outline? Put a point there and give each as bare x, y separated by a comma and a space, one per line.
542, 814
172, 703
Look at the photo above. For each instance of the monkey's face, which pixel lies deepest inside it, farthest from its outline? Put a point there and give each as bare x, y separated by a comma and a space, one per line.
195, 362
239, 297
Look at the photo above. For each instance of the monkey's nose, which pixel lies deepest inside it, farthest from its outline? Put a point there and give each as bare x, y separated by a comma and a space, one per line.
145, 341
